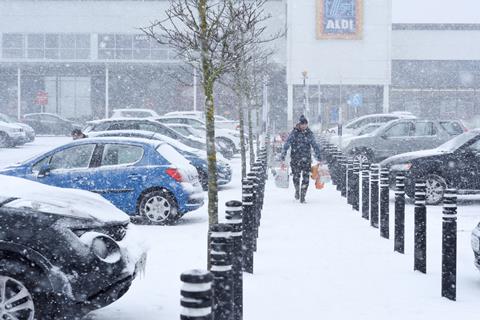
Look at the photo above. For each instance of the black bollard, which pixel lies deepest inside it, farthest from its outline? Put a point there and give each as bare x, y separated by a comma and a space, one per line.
337, 167
449, 245
399, 240
374, 197
252, 176
343, 176
221, 268
247, 225
350, 181
420, 233
365, 191
234, 218
356, 185
384, 203
196, 292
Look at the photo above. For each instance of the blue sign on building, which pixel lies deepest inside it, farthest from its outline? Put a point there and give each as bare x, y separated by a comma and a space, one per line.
339, 19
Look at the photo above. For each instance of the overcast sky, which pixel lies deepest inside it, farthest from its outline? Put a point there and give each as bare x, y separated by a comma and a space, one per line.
436, 11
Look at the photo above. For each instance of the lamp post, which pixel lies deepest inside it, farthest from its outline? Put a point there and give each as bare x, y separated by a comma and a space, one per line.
305, 98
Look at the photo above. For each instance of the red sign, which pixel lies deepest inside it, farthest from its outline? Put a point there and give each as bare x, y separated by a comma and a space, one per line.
41, 98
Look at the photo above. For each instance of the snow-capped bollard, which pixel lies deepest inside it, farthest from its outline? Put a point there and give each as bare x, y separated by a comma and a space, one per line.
384, 203
399, 239
356, 185
234, 219
350, 181
196, 292
420, 232
336, 170
343, 176
449, 245
221, 269
252, 176
247, 225
374, 197
365, 191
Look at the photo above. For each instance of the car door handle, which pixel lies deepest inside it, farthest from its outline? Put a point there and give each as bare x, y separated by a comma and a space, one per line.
134, 176
79, 179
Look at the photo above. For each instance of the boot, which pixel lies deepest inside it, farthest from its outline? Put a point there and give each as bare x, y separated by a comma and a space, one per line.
297, 193
303, 194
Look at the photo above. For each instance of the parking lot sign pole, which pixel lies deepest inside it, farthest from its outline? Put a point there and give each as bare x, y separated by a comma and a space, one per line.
449, 245
374, 178
420, 229
399, 239
384, 204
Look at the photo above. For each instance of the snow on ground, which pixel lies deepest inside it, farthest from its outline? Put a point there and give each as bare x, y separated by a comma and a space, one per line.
318, 260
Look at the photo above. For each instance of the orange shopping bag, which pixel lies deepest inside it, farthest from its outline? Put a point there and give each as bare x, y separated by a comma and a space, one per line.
321, 176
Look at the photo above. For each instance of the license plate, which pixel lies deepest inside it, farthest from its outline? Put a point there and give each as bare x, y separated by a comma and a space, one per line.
475, 244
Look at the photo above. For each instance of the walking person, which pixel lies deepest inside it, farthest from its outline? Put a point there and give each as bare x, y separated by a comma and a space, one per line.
301, 141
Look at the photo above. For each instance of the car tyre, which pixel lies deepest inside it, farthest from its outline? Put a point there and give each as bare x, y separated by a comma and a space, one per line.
435, 188
363, 156
37, 301
158, 207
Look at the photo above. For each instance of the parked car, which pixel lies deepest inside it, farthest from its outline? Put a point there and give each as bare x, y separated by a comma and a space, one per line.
29, 132
223, 146
49, 123
398, 136
145, 125
141, 177
11, 135
197, 158
475, 242
455, 163
227, 137
220, 122
352, 127
63, 252
134, 113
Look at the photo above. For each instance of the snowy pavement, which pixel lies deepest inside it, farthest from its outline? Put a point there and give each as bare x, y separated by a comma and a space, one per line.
318, 260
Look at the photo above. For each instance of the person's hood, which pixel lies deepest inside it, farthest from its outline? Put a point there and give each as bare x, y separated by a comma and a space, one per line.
71, 203
409, 156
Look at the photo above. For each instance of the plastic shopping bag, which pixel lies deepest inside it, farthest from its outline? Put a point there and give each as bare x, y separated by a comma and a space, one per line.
321, 175
282, 177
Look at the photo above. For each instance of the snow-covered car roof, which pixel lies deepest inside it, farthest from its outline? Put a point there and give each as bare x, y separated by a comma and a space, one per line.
119, 119
66, 202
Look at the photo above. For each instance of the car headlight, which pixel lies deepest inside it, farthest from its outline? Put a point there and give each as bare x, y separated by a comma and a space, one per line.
401, 167
104, 247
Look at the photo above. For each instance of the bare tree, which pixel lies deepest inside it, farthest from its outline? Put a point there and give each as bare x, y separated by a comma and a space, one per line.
206, 35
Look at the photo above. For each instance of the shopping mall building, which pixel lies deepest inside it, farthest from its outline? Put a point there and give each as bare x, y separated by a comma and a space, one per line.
343, 58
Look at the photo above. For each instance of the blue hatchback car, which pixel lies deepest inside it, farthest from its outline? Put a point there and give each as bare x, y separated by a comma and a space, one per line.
141, 177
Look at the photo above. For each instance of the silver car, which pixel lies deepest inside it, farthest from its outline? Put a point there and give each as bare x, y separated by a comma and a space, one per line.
400, 136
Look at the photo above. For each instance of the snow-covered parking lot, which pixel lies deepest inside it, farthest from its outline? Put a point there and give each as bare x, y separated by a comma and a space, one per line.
318, 260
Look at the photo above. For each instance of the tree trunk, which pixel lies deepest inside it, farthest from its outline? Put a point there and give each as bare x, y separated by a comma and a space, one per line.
250, 136
211, 154
243, 149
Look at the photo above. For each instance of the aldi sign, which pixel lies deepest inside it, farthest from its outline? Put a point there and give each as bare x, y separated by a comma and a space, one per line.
339, 19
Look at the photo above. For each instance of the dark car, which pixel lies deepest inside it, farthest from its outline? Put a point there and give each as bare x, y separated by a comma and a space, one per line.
49, 123
144, 125
63, 252
455, 164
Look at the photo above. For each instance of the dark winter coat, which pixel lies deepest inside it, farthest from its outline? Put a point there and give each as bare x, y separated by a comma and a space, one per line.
301, 143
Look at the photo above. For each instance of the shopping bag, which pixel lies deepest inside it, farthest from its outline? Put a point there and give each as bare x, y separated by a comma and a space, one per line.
321, 175
282, 177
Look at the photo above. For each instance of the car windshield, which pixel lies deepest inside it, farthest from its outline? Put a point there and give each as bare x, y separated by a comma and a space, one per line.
5, 118
453, 128
369, 129
458, 141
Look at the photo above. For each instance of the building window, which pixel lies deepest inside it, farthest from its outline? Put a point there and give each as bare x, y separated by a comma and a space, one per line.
13, 45
128, 47
46, 46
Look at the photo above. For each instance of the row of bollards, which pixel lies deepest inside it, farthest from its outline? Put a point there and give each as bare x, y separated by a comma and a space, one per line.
218, 294
371, 184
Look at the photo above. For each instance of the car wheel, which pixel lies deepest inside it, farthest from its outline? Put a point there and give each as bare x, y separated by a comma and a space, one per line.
26, 293
4, 140
158, 207
435, 188
363, 157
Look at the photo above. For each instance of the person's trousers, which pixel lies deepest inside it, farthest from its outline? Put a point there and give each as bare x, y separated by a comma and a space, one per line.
302, 169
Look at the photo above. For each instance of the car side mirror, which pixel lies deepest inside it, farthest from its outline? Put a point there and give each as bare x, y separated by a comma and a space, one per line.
44, 171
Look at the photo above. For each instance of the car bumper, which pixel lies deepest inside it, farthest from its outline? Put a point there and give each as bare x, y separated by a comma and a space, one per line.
224, 177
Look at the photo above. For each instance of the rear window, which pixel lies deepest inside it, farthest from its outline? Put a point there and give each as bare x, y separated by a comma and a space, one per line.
121, 154
452, 128
423, 129
172, 155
